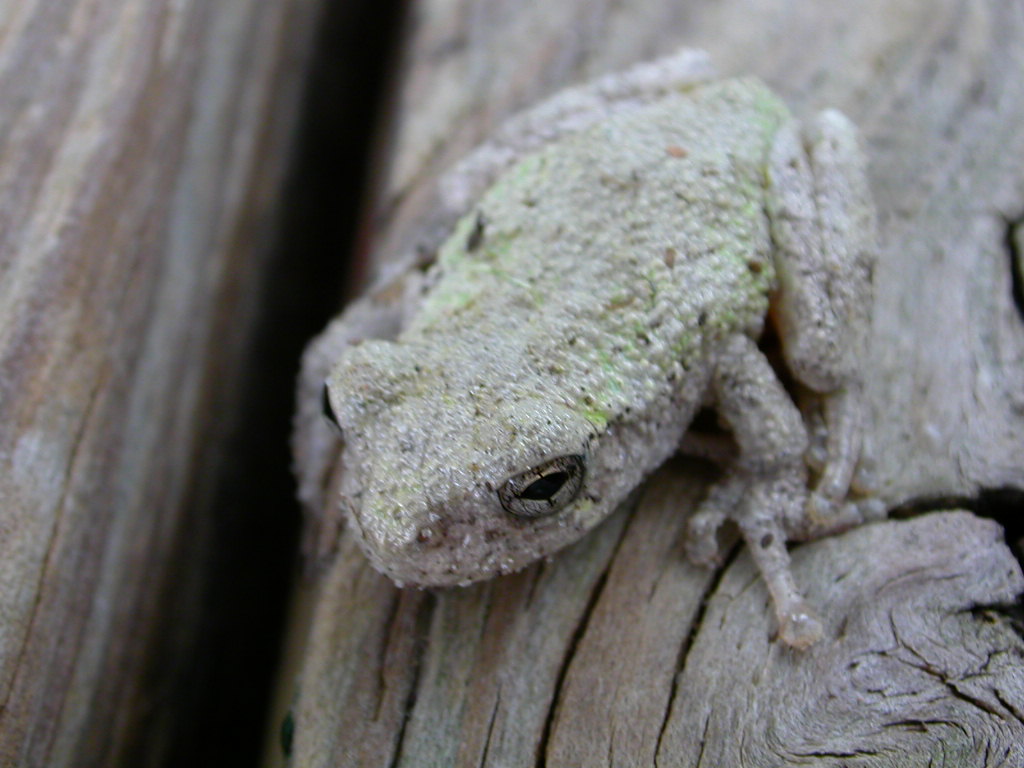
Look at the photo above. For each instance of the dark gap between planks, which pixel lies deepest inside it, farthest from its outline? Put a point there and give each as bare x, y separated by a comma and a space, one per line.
223, 700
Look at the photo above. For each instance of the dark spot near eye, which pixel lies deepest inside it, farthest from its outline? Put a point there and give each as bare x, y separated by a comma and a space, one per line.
325, 402
476, 236
702, 318
287, 733
325, 407
755, 267
545, 487
766, 541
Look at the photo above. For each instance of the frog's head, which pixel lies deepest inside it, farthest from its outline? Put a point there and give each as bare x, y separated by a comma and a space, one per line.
452, 476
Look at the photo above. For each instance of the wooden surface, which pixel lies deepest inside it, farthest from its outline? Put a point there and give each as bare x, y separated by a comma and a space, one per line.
141, 148
616, 651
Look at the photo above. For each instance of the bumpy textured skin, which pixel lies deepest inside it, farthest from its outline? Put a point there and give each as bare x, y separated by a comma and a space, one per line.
603, 288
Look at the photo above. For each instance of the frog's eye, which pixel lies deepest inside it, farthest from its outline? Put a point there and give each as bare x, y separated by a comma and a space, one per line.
328, 411
543, 490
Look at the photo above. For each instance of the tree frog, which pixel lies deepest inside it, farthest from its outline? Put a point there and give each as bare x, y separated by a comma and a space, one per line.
613, 258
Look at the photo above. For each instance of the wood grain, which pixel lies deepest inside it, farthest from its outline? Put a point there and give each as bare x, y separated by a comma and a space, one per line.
141, 148
616, 651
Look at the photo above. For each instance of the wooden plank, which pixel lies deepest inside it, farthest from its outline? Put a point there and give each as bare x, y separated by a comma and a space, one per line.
141, 148
616, 651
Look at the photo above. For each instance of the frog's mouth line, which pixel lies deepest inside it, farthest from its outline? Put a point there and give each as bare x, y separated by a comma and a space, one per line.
458, 553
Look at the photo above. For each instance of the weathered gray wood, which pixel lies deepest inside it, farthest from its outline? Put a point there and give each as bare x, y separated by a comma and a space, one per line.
918, 666
140, 148
605, 655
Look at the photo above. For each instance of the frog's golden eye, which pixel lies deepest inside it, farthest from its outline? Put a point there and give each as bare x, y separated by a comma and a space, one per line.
543, 490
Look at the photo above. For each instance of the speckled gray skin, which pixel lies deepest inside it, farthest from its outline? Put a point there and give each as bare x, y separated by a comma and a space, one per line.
607, 284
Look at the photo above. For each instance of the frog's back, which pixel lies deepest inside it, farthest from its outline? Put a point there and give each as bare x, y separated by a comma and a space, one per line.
614, 254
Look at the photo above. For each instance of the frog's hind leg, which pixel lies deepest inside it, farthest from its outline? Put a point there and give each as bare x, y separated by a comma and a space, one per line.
823, 229
766, 486
569, 111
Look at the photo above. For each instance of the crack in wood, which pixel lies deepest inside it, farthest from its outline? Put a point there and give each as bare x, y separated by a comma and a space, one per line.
1010, 613
1002, 504
490, 726
1009, 705
581, 628
556, 695
913, 724
684, 648
424, 613
538, 572
703, 743
954, 690
382, 656
838, 755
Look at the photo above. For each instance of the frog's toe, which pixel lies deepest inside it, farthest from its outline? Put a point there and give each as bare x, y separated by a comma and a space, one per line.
872, 509
799, 628
720, 504
865, 479
825, 516
702, 536
816, 456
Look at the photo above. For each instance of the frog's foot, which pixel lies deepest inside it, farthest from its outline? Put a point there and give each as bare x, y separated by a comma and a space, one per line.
843, 495
760, 505
702, 528
759, 521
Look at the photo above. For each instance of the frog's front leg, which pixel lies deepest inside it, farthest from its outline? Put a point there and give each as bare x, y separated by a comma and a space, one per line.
823, 229
765, 487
